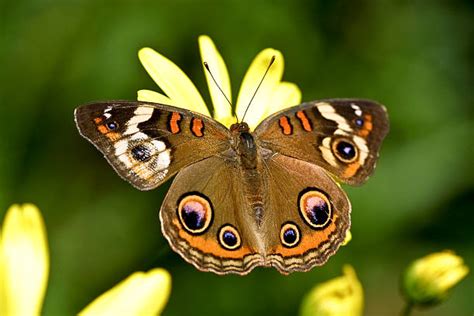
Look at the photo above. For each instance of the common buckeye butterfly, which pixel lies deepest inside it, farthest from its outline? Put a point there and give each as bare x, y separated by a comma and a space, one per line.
244, 198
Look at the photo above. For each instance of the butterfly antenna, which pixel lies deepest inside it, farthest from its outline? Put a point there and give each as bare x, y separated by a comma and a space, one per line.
260, 83
206, 65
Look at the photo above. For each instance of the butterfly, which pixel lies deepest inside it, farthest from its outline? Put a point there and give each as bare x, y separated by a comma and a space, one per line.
244, 198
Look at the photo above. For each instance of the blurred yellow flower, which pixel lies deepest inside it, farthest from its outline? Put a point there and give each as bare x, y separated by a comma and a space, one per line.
139, 294
428, 280
273, 95
24, 261
24, 267
341, 296
347, 239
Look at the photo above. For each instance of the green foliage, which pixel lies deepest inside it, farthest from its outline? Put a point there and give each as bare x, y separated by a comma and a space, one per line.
413, 56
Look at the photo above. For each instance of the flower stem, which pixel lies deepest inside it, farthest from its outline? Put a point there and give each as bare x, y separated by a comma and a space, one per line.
406, 311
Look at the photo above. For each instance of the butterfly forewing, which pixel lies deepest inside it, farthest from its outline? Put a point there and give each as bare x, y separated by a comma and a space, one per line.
147, 143
341, 135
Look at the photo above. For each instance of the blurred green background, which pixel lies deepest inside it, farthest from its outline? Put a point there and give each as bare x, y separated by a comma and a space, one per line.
416, 57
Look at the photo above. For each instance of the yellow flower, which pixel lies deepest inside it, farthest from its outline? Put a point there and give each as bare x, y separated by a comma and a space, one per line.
428, 280
340, 296
347, 239
139, 294
24, 267
24, 261
272, 96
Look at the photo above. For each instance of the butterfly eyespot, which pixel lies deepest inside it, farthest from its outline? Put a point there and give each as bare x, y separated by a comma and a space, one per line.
141, 153
359, 122
315, 208
195, 213
229, 237
112, 126
345, 151
289, 235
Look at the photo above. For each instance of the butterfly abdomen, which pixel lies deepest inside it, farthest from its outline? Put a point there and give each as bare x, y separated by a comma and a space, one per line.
250, 165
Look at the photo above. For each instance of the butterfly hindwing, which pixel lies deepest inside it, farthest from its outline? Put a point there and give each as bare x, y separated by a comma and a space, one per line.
341, 135
212, 223
207, 220
306, 216
147, 143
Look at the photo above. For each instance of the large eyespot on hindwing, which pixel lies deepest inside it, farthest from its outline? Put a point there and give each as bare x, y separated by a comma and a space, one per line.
229, 237
315, 208
290, 235
344, 150
195, 212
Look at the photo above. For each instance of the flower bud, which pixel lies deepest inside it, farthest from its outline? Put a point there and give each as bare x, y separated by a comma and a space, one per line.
340, 296
427, 281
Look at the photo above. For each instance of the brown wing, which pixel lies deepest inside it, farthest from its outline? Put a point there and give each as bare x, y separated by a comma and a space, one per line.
207, 218
341, 135
147, 143
207, 221
306, 215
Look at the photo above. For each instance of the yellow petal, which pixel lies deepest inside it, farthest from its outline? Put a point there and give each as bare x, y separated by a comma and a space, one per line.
152, 96
448, 280
173, 81
139, 294
25, 260
347, 239
286, 94
210, 55
3, 307
252, 78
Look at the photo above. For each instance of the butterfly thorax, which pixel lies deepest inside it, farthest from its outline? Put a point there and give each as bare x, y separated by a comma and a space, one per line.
244, 145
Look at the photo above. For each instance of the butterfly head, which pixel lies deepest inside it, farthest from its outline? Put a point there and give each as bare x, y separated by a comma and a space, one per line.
238, 128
